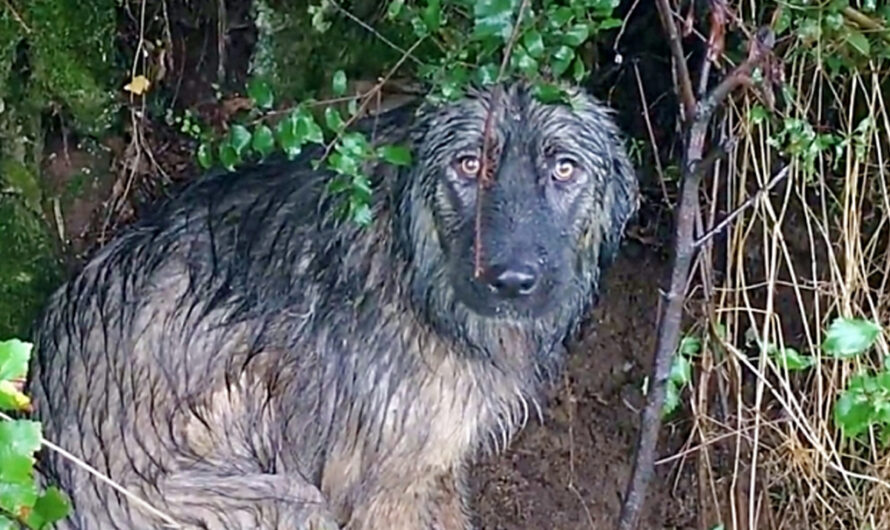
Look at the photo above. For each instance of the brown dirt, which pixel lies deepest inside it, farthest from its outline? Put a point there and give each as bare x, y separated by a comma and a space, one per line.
570, 472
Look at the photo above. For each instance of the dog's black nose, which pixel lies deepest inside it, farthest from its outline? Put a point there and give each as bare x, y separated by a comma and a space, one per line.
513, 280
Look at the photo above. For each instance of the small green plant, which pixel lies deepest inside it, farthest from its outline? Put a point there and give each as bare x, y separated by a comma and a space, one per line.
865, 403
21, 502
187, 123
681, 372
347, 153
832, 32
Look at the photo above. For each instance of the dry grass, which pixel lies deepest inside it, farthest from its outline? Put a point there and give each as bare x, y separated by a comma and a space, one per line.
764, 440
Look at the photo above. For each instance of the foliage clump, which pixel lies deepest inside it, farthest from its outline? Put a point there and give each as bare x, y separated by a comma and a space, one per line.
28, 267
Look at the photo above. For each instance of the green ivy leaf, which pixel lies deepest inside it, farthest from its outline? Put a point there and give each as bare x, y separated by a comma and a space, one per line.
260, 92
239, 138
576, 35
487, 74
49, 508
361, 214
286, 133
14, 495
578, 70
354, 144
394, 8
562, 58
791, 359
307, 130
361, 187
14, 357
432, 15
7, 524
494, 18
610, 23
228, 156
758, 114
560, 17
339, 83
205, 155
671, 398
689, 345
398, 155
19, 440
681, 371
853, 412
523, 61
263, 140
338, 184
533, 43
859, 42
333, 120
19, 437
343, 164
550, 93
848, 337
352, 107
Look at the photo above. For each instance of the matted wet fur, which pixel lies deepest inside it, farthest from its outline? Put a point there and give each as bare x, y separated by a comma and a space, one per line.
242, 359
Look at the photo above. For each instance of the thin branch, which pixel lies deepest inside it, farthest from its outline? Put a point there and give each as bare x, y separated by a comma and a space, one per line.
681, 70
484, 170
369, 96
221, 30
169, 522
716, 44
645, 104
18, 18
742, 207
364, 25
866, 22
684, 251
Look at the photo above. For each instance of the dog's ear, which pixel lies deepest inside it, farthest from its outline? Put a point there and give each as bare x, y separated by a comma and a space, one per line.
624, 190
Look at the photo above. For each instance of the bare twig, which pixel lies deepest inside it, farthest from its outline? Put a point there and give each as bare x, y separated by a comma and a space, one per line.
621, 31
866, 22
658, 168
369, 96
696, 125
484, 170
18, 18
169, 522
221, 31
681, 70
742, 207
364, 25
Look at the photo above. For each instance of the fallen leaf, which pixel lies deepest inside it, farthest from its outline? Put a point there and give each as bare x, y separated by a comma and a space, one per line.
138, 85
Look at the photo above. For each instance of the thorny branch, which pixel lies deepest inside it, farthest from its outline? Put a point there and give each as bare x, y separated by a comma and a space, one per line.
697, 116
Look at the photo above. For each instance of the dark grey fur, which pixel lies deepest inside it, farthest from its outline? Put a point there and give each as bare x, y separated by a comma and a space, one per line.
240, 359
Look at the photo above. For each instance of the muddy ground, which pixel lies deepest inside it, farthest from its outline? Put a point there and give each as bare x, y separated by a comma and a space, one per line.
570, 472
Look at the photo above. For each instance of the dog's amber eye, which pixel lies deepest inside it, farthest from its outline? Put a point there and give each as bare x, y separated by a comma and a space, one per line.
564, 170
469, 166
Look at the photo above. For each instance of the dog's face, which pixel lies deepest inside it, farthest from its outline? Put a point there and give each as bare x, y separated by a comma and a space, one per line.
561, 190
